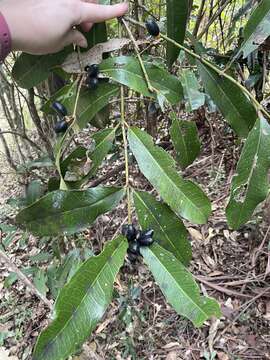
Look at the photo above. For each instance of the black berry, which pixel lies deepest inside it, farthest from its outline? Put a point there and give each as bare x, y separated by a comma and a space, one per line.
152, 27
146, 238
92, 83
59, 108
134, 248
61, 126
129, 231
92, 70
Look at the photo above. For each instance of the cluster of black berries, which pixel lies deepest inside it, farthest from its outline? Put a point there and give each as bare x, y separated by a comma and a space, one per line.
61, 125
92, 76
152, 27
136, 239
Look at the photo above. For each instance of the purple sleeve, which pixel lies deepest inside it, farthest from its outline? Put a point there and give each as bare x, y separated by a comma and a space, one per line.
5, 38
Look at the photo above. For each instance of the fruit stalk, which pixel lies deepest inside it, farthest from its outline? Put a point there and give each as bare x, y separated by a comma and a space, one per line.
208, 63
123, 122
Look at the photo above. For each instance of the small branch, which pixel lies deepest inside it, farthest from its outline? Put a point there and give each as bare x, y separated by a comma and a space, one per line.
149, 85
123, 122
25, 137
222, 289
213, 19
6, 260
221, 73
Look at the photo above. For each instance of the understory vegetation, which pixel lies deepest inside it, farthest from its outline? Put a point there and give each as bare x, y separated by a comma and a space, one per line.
135, 181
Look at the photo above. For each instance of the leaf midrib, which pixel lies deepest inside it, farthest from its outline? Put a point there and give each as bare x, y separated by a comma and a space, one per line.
162, 87
181, 138
230, 101
75, 209
99, 99
156, 220
178, 285
251, 173
93, 284
171, 181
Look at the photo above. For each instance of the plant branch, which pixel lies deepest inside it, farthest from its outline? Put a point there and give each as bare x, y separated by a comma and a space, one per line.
25, 137
123, 122
149, 85
215, 68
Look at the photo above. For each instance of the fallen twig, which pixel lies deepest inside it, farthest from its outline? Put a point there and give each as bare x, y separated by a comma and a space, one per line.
5, 259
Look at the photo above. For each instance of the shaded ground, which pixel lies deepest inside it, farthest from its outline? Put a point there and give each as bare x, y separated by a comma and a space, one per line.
231, 266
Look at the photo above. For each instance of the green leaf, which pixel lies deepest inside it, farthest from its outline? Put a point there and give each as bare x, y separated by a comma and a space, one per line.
250, 185
81, 304
89, 104
183, 196
30, 70
195, 99
67, 212
178, 285
231, 101
185, 140
169, 230
257, 29
104, 141
127, 71
97, 35
33, 192
40, 280
177, 17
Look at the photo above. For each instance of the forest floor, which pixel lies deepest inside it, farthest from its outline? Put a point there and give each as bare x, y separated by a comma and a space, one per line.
231, 266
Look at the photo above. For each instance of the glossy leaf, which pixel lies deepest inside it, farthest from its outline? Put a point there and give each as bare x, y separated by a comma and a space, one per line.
257, 29
104, 142
127, 71
89, 104
250, 185
177, 17
67, 212
169, 230
81, 304
30, 70
184, 135
178, 285
194, 98
183, 196
231, 101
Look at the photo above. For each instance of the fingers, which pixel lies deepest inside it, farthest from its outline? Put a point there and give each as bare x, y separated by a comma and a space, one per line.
86, 26
98, 13
75, 37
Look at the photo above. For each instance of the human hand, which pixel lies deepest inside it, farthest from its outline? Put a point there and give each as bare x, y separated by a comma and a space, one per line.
45, 26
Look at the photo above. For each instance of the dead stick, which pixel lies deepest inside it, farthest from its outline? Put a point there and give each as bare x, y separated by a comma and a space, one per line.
24, 279
222, 289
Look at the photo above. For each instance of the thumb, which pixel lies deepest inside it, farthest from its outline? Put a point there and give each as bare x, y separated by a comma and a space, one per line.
75, 37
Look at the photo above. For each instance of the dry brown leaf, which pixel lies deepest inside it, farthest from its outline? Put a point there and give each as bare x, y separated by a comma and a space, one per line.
74, 65
222, 356
212, 333
195, 234
171, 345
173, 355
